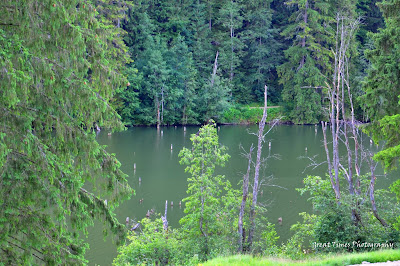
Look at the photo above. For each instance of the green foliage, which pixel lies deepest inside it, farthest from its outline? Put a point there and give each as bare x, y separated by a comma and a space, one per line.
153, 245
331, 223
208, 221
382, 88
61, 64
257, 46
395, 188
308, 60
382, 85
262, 55
190, 34
304, 231
247, 115
266, 240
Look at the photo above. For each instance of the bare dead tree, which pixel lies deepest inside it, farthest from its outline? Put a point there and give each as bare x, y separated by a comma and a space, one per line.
241, 232
339, 120
344, 126
214, 69
342, 123
372, 166
261, 139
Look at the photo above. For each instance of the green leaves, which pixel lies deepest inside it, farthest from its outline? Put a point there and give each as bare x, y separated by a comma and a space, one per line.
211, 199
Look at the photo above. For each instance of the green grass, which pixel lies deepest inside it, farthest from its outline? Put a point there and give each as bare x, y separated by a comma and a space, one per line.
244, 114
332, 259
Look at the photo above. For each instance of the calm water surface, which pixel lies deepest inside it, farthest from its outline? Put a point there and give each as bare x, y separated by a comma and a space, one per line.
163, 178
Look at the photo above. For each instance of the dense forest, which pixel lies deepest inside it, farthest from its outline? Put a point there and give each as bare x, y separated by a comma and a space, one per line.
196, 60
71, 68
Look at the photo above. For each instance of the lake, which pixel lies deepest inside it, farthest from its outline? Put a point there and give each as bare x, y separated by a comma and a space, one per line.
163, 178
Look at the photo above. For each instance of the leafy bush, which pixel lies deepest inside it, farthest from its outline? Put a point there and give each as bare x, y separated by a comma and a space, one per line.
153, 245
333, 224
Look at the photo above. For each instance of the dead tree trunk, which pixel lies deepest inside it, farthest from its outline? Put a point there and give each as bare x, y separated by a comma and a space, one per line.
214, 69
158, 111
334, 184
164, 218
232, 35
241, 234
303, 41
344, 125
372, 193
162, 104
260, 136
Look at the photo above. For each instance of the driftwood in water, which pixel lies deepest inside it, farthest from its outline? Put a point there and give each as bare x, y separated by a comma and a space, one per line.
164, 218
149, 212
136, 226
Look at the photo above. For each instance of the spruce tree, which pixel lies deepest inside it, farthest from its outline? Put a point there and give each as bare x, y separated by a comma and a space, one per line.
262, 52
60, 65
230, 22
382, 85
382, 89
308, 60
182, 82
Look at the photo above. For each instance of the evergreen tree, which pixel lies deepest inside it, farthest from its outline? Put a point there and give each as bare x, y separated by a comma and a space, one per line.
372, 18
382, 89
382, 85
127, 101
154, 87
182, 82
308, 60
201, 43
60, 63
263, 52
230, 21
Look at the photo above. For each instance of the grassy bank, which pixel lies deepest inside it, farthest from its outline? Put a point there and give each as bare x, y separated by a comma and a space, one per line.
249, 114
331, 259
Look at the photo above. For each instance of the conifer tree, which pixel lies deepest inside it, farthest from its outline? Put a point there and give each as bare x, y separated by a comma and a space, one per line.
308, 60
230, 21
202, 44
382, 87
60, 65
182, 83
262, 51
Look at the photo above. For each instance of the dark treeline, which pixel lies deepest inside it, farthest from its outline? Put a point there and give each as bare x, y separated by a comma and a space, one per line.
193, 60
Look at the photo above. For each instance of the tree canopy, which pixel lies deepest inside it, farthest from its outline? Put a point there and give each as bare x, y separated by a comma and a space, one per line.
60, 65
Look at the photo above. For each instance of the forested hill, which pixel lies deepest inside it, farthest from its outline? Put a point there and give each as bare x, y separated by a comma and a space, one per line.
194, 60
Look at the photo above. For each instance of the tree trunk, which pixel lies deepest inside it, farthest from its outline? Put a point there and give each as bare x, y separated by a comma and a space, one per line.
335, 186
257, 170
232, 46
303, 41
214, 70
158, 113
241, 234
164, 218
162, 104
372, 192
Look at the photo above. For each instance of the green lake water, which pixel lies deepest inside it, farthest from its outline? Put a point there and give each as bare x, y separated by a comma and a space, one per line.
163, 178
